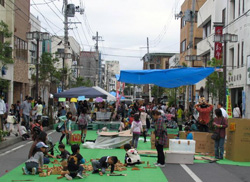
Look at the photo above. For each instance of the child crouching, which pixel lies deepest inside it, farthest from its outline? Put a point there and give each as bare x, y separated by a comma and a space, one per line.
35, 163
101, 165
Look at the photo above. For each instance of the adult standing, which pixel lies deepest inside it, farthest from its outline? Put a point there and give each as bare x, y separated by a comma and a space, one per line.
39, 110
204, 110
180, 114
236, 111
224, 112
26, 111
18, 108
2, 112
143, 118
221, 124
160, 137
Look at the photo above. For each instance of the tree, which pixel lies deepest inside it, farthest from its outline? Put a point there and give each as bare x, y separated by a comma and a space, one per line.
5, 54
214, 83
80, 81
47, 70
157, 91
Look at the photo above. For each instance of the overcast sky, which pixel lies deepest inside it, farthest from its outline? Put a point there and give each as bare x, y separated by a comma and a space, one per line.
123, 24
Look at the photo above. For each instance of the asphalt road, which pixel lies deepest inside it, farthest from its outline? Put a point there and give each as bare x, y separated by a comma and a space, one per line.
16, 154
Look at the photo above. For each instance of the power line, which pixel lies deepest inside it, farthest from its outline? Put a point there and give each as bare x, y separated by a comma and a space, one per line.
53, 11
46, 19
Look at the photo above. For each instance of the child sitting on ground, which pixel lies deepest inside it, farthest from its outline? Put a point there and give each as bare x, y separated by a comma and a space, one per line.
64, 153
23, 131
35, 163
132, 157
188, 133
101, 165
75, 162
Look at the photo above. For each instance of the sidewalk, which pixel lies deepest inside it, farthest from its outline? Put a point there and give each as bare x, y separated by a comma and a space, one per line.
11, 140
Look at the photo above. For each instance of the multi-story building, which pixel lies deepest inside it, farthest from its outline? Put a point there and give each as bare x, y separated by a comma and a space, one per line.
174, 61
21, 67
235, 15
73, 64
89, 66
155, 61
185, 48
112, 68
35, 25
7, 15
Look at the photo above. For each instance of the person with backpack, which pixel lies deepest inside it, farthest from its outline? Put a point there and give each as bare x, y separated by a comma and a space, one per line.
75, 161
132, 157
83, 123
65, 127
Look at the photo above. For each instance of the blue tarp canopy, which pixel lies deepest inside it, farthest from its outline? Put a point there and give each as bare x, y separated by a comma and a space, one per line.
88, 92
168, 78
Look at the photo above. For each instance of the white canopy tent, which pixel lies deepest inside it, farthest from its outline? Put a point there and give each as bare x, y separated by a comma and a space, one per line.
109, 96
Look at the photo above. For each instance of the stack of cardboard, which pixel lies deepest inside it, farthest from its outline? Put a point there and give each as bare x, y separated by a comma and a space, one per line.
238, 140
170, 136
204, 143
152, 140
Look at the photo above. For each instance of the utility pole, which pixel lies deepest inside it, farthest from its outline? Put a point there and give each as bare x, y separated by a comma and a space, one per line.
190, 52
66, 39
148, 64
98, 38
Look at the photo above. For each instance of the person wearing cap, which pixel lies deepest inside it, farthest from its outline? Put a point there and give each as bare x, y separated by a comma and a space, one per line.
25, 111
35, 163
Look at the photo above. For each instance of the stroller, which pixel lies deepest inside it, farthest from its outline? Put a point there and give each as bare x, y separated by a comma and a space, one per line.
10, 125
51, 146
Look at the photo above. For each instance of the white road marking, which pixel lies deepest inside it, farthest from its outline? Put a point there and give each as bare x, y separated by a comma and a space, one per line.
191, 173
20, 146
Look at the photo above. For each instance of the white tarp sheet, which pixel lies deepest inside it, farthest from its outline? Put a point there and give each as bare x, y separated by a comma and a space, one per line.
108, 142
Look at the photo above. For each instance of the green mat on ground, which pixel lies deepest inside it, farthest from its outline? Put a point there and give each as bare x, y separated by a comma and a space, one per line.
136, 176
228, 162
224, 161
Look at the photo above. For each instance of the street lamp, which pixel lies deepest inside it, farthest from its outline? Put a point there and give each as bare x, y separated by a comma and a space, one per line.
63, 55
38, 36
225, 38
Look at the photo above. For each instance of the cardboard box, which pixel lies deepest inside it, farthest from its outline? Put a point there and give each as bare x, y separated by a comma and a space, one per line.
182, 135
170, 136
238, 140
179, 158
204, 143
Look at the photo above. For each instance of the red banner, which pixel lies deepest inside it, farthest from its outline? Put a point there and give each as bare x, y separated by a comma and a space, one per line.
218, 45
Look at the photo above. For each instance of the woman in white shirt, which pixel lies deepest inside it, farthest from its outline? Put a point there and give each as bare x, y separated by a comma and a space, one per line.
236, 111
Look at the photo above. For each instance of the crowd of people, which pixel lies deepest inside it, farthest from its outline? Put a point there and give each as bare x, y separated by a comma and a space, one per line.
138, 117
20, 118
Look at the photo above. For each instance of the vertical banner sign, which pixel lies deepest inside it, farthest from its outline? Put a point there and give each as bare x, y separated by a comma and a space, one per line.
229, 105
190, 93
243, 103
218, 45
123, 86
117, 94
